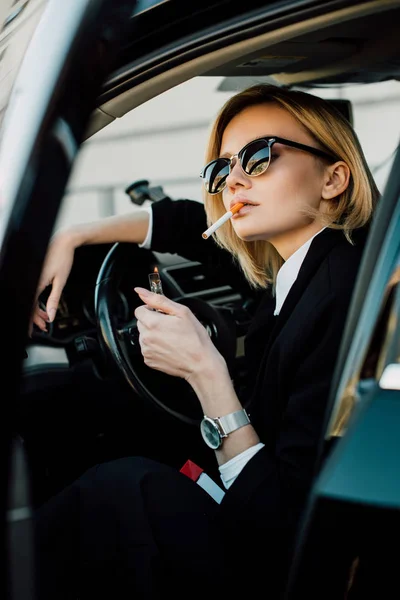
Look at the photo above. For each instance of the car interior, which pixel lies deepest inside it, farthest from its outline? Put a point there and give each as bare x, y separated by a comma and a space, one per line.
83, 394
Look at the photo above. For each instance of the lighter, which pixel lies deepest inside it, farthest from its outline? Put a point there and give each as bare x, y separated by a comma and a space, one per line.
155, 282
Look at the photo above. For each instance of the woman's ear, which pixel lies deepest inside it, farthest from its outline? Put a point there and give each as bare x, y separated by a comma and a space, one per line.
337, 177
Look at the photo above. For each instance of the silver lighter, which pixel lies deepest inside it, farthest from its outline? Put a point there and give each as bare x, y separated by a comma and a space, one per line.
156, 285
155, 282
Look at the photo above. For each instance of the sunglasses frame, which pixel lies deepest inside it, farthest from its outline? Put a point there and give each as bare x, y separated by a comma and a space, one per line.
270, 142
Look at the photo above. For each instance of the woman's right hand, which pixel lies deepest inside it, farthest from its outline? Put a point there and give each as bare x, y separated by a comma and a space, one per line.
132, 228
56, 269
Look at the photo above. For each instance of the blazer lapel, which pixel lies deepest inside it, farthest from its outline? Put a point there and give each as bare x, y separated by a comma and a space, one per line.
320, 247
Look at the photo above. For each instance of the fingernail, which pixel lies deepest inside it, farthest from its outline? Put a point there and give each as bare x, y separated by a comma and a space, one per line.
141, 291
51, 314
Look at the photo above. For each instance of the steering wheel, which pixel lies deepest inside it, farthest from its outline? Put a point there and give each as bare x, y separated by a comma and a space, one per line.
120, 340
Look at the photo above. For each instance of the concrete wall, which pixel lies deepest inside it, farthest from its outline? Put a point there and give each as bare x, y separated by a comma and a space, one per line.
164, 141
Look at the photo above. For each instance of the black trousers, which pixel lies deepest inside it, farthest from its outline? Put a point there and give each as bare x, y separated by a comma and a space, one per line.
129, 528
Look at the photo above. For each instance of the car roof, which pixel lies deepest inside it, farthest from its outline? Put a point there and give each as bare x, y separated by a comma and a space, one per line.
304, 44
296, 43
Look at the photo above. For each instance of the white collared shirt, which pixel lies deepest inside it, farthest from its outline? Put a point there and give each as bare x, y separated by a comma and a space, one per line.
288, 272
147, 241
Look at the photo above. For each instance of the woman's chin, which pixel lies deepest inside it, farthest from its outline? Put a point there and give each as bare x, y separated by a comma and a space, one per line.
248, 235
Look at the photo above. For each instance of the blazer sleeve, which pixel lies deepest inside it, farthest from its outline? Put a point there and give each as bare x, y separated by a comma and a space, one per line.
177, 229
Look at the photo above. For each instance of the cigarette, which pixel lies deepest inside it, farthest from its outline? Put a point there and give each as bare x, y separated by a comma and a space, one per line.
235, 208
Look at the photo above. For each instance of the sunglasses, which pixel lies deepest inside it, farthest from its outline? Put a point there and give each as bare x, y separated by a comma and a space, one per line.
254, 158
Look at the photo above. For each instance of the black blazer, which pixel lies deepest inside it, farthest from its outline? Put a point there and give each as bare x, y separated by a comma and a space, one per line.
291, 363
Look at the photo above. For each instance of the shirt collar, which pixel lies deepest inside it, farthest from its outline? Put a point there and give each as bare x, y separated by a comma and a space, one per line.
288, 272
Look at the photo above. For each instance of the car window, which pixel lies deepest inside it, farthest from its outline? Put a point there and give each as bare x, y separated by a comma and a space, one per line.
163, 141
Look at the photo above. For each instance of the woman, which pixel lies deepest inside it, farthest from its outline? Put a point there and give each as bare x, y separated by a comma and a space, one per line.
308, 197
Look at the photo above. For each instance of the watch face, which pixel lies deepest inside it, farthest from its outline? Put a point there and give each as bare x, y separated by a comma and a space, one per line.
210, 433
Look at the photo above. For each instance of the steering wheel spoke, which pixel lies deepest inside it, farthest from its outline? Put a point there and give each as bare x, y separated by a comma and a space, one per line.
128, 335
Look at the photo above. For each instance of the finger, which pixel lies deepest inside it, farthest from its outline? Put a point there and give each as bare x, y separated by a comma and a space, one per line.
40, 322
158, 301
146, 315
41, 315
141, 313
53, 301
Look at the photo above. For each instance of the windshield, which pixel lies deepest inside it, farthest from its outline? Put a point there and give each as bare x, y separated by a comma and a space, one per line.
163, 141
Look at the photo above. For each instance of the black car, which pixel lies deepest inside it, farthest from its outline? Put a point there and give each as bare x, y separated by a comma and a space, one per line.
81, 394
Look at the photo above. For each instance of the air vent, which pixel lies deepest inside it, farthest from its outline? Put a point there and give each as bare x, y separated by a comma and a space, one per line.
195, 279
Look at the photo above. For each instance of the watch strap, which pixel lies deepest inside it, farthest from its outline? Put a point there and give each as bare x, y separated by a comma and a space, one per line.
233, 421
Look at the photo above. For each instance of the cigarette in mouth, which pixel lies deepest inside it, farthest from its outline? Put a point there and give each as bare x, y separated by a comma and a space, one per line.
235, 208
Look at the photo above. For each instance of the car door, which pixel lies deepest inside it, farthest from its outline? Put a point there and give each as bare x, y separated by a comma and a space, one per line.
353, 512
71, 49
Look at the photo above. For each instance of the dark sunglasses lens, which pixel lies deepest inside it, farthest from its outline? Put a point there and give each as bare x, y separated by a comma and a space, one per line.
215, 174
255, 157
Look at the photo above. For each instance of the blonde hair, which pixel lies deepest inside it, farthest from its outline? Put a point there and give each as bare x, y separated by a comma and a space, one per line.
332, 132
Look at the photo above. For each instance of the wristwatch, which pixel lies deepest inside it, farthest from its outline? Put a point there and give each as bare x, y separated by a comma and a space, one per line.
214, 430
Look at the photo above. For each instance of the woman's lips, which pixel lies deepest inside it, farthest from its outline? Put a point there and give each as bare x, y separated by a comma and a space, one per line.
244, 210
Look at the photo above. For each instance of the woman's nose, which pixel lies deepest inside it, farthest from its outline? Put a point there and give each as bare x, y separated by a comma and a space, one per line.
237, 177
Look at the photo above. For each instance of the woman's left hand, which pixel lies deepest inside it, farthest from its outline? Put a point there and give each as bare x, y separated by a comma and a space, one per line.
174, 341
